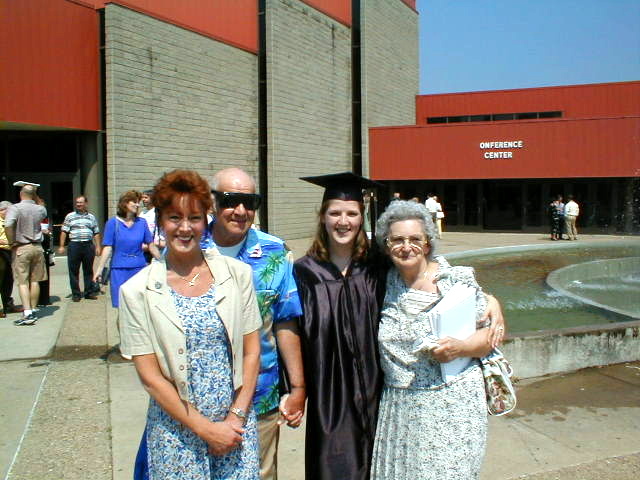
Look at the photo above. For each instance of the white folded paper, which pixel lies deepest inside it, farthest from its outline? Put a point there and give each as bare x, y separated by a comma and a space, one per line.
454, 316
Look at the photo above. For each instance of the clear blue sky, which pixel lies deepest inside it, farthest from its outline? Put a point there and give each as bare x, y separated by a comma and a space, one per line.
470, 45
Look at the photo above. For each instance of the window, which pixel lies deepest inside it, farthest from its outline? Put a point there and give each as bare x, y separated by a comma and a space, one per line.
550, 114
496, 117
437, 120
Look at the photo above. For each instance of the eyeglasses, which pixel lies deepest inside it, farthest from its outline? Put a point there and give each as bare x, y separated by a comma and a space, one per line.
251, 201
414, 242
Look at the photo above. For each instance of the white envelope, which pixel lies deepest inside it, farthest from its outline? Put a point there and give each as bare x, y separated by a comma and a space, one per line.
456, 317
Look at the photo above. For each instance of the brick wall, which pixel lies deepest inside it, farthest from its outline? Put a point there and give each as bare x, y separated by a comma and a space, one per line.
389, 34
175, 99
309, 110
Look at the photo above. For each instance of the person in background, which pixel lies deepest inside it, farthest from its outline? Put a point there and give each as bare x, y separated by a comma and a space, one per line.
149, 214
439, 217
6, 275
571, 212
432, 206
24, 233
428, 427
125, 234
145, 202
84, 244
556, 212
190, 321
560, 214
49, 257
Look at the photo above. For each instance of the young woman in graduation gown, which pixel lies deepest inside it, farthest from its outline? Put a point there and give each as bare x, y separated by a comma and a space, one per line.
341, 293
341, 285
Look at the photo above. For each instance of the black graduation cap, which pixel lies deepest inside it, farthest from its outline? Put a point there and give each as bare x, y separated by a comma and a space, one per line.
342, 186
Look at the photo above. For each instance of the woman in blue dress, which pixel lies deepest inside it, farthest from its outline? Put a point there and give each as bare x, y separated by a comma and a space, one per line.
190, 321
124, 237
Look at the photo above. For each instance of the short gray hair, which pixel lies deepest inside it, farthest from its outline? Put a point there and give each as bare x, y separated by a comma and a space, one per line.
5, 204
400, 210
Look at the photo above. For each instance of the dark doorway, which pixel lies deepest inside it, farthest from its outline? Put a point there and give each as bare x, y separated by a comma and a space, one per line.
502, 206
534, 205
471, 204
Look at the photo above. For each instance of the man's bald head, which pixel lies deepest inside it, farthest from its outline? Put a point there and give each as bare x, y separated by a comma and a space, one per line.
28, 191
232, 180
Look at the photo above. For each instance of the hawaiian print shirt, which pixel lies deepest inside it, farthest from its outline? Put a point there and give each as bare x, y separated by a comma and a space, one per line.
278, 300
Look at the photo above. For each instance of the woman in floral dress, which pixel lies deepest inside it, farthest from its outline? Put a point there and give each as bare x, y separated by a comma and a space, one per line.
190, 321
427, 428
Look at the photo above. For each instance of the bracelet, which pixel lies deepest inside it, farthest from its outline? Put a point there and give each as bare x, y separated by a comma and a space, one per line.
239, 413
298, 386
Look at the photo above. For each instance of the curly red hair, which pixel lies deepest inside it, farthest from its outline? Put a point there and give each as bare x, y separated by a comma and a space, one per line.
176, 184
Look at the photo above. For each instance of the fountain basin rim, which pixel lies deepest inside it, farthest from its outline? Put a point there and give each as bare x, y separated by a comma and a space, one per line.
622, 242
583, 329
554, 281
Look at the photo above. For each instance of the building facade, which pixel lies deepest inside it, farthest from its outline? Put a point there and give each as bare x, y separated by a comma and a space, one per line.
497, 158
99, 97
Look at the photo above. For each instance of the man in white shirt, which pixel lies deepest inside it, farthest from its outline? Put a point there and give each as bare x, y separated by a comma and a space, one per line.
432, 206
571, 212
149, 214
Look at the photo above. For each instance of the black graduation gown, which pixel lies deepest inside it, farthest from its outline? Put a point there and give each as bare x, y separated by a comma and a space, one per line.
339, 332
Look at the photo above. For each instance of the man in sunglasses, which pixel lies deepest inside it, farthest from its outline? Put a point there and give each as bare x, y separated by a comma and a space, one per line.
230, 232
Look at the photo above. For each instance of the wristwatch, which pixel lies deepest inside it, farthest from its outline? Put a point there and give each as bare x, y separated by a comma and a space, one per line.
239, 413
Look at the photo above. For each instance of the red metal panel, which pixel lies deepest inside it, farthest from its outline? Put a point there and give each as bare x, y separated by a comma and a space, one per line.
410, 3
550, 149
49, 64
234, 22
339, 10
575, 101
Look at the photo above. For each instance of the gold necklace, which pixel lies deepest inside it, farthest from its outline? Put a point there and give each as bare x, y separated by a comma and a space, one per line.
193, 280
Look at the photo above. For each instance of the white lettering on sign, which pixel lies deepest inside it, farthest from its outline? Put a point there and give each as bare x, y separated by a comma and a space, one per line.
510, 144
503, 144
498, 154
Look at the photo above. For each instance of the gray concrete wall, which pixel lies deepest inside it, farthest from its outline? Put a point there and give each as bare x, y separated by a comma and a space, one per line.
565, 350
175, 99
389, 30
309, 110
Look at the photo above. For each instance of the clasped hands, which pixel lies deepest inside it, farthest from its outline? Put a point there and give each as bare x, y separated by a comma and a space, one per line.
292, 407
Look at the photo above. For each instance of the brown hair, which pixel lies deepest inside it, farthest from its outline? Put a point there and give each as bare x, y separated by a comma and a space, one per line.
320, 246
126, 197
178, 183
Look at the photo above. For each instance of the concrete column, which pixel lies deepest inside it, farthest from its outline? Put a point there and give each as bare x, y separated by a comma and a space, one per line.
92, 174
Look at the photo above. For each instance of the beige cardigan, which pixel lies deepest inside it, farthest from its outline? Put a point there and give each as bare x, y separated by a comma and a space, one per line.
149, 322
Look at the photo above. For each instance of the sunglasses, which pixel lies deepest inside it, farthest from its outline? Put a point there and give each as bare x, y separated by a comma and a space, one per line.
251, 201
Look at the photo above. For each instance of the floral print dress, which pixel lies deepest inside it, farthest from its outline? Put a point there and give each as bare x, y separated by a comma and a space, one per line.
427, 429
174, 451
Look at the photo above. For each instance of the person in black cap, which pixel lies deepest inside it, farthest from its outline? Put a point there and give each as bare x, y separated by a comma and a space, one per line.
341, 285
341, 294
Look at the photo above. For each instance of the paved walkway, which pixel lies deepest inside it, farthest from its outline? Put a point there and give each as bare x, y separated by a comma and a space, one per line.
74, 410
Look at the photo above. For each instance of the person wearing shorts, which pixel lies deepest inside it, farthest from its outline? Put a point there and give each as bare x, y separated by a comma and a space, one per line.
24, 234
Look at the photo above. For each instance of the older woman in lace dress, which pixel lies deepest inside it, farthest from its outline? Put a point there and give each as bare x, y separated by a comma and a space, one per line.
428, 428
